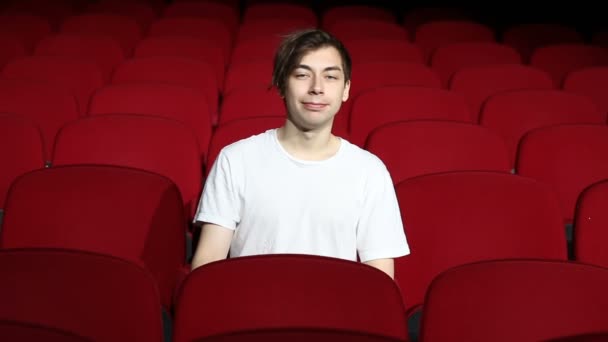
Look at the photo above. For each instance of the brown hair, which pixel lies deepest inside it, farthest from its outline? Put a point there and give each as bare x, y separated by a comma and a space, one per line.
296, 45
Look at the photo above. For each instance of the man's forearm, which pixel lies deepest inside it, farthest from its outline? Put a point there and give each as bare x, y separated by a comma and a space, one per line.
385, 265
213, 245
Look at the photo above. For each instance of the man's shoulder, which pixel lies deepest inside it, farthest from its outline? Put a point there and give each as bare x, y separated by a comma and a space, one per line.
369, 167
249, 144
362, 157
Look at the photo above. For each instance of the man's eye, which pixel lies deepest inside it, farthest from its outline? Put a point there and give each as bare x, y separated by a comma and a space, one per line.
331, 77
301, 75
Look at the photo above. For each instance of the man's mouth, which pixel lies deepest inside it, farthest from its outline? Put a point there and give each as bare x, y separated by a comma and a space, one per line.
314, 105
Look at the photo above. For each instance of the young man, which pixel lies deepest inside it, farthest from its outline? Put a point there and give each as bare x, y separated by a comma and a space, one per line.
298, 188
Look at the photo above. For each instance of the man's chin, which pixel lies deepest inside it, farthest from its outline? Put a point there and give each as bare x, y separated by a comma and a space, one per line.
311, 125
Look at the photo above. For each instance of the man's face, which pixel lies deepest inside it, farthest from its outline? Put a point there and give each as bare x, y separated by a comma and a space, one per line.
316, 89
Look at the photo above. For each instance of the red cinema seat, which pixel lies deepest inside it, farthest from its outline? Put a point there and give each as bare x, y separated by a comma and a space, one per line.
366, 76
136, 141
417, 16
184, 47
179, 71
518, 300
248, 75
127, 213
298, 335
11, 47
125, 30
526, 38
590, 222
569, 157
156, 99
288, 295
560, 59
45, 105
257, 49
591, 82
22, 150
477, 83
383, 105
54, 12
348, 29
211, 29
102, 50
512, 114
30, 29
80, 77
347, 12
270, 10
143, 12
250, 103
226, 13
363, 50
73, 296
450, 58
271, 27
459, 217
435, 34
421, 147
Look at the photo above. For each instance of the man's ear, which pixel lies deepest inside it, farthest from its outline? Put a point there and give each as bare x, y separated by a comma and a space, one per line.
346, 92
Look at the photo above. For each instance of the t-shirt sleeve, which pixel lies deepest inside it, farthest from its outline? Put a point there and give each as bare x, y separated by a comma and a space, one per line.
380, 232
219, 203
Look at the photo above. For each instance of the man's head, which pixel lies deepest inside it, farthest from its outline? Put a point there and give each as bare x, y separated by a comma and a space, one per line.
312, 72
298, 44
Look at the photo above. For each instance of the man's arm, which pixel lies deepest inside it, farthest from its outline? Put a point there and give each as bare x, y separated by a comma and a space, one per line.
385, 265
213, 244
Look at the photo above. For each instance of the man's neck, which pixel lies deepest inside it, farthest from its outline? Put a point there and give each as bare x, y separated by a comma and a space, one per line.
308, 145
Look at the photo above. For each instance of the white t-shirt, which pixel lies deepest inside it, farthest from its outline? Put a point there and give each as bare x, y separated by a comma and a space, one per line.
340, 207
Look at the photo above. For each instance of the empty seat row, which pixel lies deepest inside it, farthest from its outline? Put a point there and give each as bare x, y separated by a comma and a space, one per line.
556, 59
451, 219
76, 296
128, 213
52, 91
219, 54
154, 144
60, 283
489, 99
205, 25
82, 77
516, 300
326, 18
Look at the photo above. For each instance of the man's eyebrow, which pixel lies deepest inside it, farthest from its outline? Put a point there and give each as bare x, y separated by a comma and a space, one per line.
330, 68
333, 68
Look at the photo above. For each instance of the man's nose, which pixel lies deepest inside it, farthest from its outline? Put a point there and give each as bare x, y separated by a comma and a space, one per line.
316, 86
